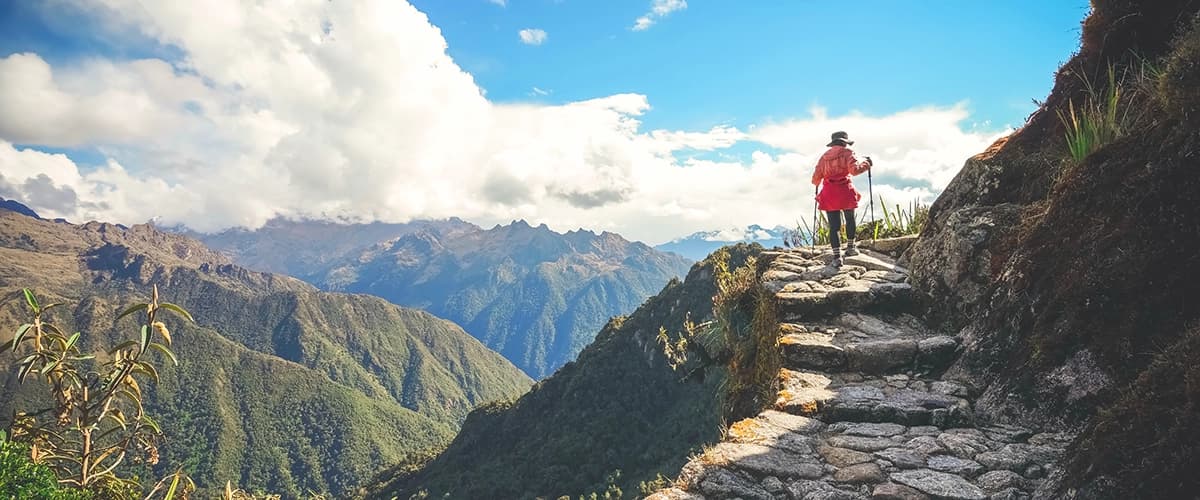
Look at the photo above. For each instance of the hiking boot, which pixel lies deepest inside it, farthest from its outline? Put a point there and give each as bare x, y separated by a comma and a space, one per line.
851, 250
836, 262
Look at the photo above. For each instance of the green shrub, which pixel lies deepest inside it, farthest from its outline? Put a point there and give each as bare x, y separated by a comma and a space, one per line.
20, 477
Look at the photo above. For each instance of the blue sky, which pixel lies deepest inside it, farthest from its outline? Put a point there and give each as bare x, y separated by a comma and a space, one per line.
650, 118
726, 62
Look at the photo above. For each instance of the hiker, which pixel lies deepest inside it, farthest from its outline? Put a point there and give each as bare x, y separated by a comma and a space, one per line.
837, 197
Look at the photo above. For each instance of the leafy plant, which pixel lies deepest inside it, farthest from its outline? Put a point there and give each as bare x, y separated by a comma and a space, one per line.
744, 312
897, 221
20, 477
1099, 120
97, 421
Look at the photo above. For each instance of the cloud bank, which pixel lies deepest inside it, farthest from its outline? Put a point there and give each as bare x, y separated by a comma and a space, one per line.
354, 111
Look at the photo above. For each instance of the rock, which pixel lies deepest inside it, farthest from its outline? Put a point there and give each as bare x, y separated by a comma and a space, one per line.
867, 402
792, 423
893, 491
927, 445
924, 430
954, 465
675, 494
1007, 433
890, 246
722, 483
762, 430
1035, 471
963, 445
954, 258
949, 388
842, 457
881, 356
763, 460
812, 351
819, 490
1009, 494
872, 263
940, 484
773, 484
903, 458
859, 474
1016, 457
874, 429
937, 352
998, 480
861, 443
1052, 439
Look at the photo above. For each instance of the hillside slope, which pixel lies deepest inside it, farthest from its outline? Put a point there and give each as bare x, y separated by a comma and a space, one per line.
280, 386
533, 295
619, 407
1071, 282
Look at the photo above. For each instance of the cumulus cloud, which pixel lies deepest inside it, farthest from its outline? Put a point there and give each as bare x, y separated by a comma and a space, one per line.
658, 10
532, 36
353, 111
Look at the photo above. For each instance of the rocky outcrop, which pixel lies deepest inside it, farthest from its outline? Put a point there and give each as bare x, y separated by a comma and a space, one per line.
1063, 279
863, 411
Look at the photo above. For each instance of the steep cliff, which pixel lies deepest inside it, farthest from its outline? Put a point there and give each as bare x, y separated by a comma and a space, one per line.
1070, 282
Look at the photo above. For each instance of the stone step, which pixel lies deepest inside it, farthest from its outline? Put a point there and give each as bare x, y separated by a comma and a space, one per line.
898, 399
815, 351
777, 455
866, 344
808, 300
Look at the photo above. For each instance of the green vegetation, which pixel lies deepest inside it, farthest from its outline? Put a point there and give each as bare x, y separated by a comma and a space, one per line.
1098, 121
898, 220
283, 389
744, 313
535, 296
98, 420
620, 406
20, 477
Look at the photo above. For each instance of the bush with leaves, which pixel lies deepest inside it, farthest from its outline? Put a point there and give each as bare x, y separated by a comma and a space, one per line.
97, 422
20, 477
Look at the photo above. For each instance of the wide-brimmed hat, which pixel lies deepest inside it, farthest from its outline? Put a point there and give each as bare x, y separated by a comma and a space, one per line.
839, 137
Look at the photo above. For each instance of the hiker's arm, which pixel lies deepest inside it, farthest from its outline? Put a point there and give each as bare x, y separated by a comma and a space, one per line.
818, 174
857, 167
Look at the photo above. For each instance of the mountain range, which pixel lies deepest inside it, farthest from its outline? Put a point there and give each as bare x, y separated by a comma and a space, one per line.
280, 387
534, 295
699, 245
618, 416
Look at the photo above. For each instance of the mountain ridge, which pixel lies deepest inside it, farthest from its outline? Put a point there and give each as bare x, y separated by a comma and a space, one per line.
295, 388
535, 295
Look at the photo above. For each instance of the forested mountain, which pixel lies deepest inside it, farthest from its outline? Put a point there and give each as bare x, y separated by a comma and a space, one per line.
280, 387
533, 295
617, 416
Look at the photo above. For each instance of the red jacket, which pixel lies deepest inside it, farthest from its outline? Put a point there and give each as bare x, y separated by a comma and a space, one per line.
833, 173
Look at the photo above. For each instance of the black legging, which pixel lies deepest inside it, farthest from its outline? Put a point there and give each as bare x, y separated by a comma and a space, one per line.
835, 226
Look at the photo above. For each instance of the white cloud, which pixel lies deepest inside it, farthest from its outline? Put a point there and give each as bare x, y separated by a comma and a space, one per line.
658, 10
354, 111
501, 3
532, 36
539, 92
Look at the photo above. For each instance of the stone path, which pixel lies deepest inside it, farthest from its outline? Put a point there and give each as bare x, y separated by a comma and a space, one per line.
862, 413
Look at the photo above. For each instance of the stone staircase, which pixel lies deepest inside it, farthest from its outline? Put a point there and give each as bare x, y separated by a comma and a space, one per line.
862, 412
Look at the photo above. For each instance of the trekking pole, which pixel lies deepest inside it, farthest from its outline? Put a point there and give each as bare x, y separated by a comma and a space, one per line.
871, 203
813, 233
